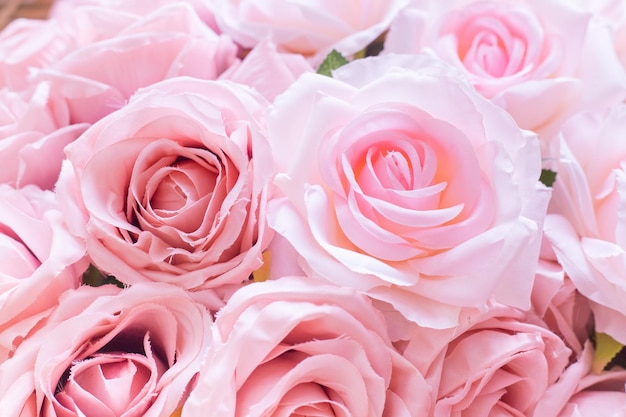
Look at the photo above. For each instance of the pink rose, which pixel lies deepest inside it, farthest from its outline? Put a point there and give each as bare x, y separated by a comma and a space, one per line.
578, 388
596, 404
585, 224
594, 394
541, 60
82, 14
40, 261
107, 351
555, 299
33, 133
184, 199
135, 52
311, 28
27, 44
399, 180
296, 346
613, 14
267, 70
500, 362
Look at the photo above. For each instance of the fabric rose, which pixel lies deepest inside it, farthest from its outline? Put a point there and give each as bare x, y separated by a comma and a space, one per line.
296, 346
613, 14
584, 393
267, 70
596, 404
499, 362
311, 29
40, 261
568, 313
399, 180
34, 130
585, 224
28, 44
79, 13
107, 351
183, 200
122, 52
541, 60
555, 299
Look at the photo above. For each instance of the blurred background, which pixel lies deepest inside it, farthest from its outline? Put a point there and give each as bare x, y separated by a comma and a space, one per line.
33, 9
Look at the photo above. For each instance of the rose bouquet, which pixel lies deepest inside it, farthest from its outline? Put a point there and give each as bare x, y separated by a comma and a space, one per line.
312, 208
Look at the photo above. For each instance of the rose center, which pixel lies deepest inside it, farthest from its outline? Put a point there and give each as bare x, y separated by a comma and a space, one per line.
171, 195
490, 55
110, 383
396, 169
120, 379
490, 46
180, 185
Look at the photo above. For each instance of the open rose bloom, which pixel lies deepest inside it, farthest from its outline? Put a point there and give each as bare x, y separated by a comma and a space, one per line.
498, 362
297, 346
109, 352
420, 204
284, 208
184, 200
141, 47
586, 222
40, 261
311, 29
541, 60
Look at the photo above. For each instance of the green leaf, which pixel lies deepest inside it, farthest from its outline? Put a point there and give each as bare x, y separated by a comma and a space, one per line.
332, 61
94, 278
547, 177
607, 349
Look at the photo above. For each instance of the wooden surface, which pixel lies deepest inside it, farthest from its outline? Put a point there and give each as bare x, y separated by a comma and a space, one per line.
32, 9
